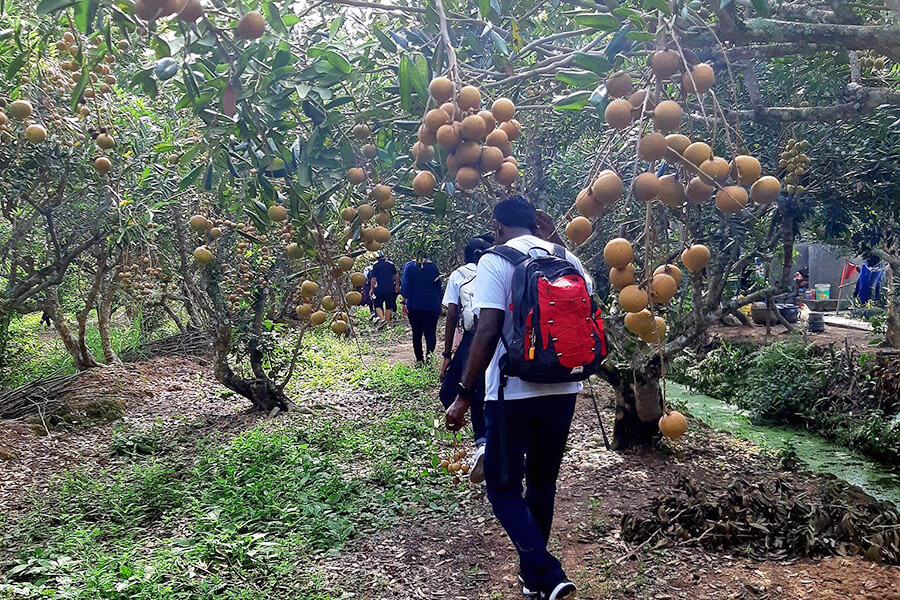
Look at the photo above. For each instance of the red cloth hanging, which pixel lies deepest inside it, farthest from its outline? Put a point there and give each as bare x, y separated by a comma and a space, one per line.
848, 271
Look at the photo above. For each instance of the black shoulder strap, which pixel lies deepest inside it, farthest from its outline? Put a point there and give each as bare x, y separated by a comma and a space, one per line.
509, 253
559, 252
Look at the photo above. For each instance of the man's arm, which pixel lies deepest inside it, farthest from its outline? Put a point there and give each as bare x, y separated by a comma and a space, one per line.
449, 333
487, 336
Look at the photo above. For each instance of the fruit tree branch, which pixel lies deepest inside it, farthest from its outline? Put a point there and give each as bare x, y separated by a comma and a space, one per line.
379, 6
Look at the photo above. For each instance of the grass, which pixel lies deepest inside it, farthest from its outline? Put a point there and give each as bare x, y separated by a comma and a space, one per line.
247, 519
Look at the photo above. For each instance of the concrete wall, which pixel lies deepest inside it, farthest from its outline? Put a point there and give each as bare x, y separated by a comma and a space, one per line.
824, 264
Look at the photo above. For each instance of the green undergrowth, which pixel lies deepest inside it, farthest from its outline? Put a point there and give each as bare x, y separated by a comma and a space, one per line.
794, 384
245, 519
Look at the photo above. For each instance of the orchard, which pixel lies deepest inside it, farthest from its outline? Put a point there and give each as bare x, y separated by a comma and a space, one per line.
226, 173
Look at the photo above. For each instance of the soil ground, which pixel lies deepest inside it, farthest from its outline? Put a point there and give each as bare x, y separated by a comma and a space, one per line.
832, 335
466, 555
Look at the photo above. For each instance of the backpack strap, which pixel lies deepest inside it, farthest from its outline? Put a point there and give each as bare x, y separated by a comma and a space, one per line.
559, 252
508, 253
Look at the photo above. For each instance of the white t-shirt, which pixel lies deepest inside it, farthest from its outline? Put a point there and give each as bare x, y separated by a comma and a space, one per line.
462, 277
493, 289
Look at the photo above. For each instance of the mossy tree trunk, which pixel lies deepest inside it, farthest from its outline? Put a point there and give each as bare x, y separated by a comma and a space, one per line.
639, 406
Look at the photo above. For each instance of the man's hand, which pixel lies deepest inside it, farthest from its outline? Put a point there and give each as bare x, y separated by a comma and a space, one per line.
455, 416
405, 310
444, 368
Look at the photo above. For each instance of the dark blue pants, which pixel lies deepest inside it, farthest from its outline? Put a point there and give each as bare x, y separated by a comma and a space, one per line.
526, 440
454, 376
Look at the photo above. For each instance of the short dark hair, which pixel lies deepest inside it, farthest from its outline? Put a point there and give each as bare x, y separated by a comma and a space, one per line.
476, 247
516, 211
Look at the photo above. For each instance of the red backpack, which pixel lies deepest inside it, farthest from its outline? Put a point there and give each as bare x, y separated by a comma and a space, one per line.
557, 333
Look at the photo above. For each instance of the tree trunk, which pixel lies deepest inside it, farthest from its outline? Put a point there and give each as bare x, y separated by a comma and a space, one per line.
189, 290
892, 336
81, 355
5, 320
638, 408
104, 314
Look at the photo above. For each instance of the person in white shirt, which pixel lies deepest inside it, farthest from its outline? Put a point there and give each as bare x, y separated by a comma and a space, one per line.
459, 300
527, 423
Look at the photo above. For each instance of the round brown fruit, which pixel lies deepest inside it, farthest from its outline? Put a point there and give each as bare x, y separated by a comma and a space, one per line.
697, 191
657, 332
667, 116
365, 212
339, 327
665, 63
467, 178
198, 223
373, 245
670, 192
715, 169
215, 233
586, 205
646, 186
652, 146
469, 97
622, 278
353, 298
662, 288
696, 154
512, 129
673, 425
304, 311
506, 174
294, 251
497, 139
278, 213
671, 270
370, 151
618, 114
309, 289
701, 79
435, 118
328, 303
35, 134
345, 263
251, 26
422, 153
447, 137
318, 317
607, 188
348, 213
202, 255
357, 279
578, 230
640, 322
503, 109
633, 299
356, 175
452, 164
105, 141
619, 85
467, 154
677, 144
695, 257
618, 253
765, 190
491, 159
361, 131
102, 165
441, 89
423, 183
19, 109
452, 111
382, 234
426, 136
490, 123
472, 128
745, 169
731, 199
191, 11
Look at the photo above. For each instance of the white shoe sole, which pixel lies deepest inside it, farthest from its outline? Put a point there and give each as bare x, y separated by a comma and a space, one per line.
476, 475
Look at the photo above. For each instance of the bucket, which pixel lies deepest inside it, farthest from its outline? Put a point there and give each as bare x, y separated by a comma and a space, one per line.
816, 322
823, 291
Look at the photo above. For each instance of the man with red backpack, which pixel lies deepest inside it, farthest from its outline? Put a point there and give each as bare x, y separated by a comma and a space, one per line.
539, 334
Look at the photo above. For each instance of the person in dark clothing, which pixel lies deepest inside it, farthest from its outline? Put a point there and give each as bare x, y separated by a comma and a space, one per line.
421, 290
459, 300
384, 283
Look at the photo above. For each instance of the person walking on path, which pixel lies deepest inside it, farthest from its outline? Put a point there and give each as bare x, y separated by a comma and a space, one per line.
527, 423
384, 284
421, 291
459, 300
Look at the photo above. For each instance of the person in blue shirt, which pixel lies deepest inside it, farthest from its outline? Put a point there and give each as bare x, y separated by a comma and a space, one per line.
421, 290
384, 284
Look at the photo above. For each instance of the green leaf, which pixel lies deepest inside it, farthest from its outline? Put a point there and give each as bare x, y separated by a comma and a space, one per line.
190, 178
578, 79
337, 61
414, 76
335, 27
660, 5
499, 43
46, 7
15, 65
386, 42
593, 61
599, 22
484, 9
575, 101
79, 87
406, 85
762, 7
85, 12
640, 36
208, 178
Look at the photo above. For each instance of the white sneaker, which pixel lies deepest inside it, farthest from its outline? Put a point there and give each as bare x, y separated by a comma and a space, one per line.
476, 474
564, 591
